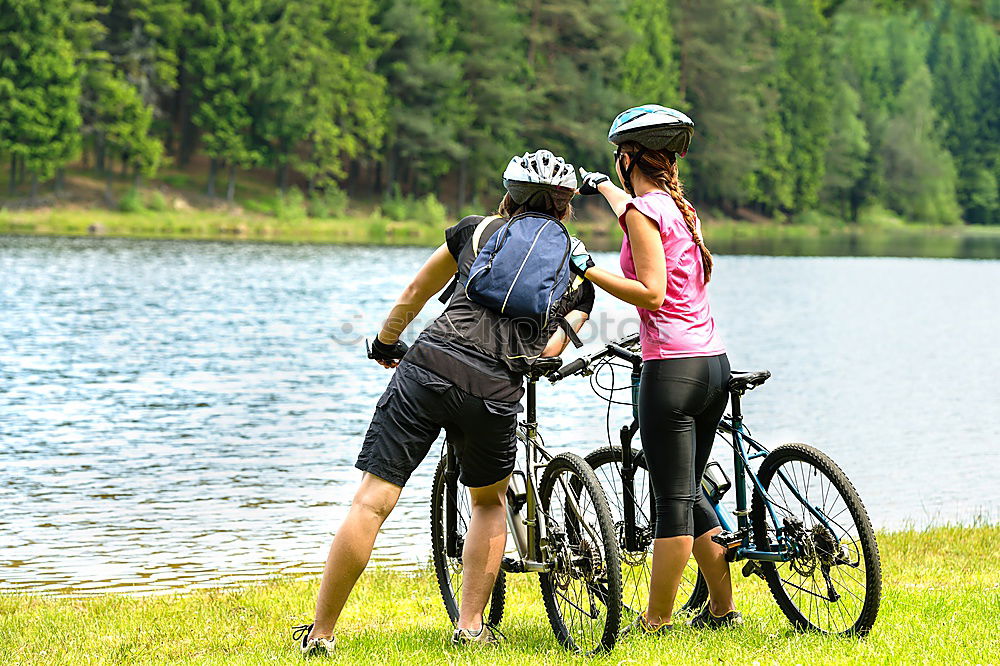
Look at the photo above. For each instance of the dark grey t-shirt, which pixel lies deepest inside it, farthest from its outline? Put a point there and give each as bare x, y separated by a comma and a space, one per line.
468, 367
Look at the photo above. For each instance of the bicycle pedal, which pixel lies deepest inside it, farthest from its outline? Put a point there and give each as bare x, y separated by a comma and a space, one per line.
510, 565
728, 540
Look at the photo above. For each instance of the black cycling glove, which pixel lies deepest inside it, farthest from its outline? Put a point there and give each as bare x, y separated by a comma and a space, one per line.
379, 351
591, 179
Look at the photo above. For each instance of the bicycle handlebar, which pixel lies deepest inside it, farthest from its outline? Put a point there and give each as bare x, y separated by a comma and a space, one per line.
617, 348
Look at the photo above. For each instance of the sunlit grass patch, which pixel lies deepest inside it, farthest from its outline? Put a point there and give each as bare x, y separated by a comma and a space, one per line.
941, 603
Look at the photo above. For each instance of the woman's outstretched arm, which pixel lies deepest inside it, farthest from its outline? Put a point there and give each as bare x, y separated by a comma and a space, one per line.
429, 280
649, 290
616, 196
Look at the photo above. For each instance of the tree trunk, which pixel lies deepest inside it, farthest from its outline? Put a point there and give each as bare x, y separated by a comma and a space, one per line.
389, 173
99, 154
137, 179
213, 168
109, 197
57, 185
353, 176
22, 167
231, 186
12, 182
283, 177
189, 132
463, 174
34, 185
311, 185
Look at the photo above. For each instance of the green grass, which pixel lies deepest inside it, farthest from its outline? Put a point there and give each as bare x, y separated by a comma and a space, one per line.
941, 604
724, 237
216, 225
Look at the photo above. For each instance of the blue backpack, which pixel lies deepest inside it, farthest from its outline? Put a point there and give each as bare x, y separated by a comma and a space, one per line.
523, 269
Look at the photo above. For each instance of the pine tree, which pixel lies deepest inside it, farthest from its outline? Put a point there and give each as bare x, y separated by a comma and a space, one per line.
323, 104
226, 42
649, 72
962, 55
491, 40
574, 54
791, 163
427, 110
918, 171
39, 85
724, 56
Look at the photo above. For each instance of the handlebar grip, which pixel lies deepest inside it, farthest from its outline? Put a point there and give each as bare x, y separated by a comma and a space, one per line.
570, 368
624, 354
629, 340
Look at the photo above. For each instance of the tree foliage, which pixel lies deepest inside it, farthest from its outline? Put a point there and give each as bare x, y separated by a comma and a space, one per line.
839, 105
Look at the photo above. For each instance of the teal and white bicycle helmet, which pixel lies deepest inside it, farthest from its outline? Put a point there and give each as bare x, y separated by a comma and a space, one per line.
654, 127
541, 170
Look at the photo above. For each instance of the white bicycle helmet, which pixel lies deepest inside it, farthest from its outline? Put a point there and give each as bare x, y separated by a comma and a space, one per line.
654, 127
540, 170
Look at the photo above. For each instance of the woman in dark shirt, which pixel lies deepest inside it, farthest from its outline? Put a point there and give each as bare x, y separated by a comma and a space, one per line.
459, 376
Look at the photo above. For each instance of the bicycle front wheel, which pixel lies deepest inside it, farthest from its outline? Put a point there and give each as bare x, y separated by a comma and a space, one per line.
833, 583
449, 568
582, 591
692, 593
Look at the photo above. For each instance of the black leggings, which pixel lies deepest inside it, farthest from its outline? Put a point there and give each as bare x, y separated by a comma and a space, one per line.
681, 401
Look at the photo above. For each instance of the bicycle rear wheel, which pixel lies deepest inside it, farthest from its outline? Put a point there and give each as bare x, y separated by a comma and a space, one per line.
449, 569
692, 594
834, 582
582, 591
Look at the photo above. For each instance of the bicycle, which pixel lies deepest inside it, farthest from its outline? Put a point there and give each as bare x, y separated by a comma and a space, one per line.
560, 524
823, 571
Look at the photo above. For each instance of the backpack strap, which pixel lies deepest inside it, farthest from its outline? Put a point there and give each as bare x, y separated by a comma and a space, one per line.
477, 236
570, 333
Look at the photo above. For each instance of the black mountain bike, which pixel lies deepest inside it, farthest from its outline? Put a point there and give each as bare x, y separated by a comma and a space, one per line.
805, 532
561, 526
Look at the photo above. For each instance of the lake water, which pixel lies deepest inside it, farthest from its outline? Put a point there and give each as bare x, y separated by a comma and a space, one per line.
177, 415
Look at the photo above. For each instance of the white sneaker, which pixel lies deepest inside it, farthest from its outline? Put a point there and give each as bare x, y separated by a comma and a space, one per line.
313, 647
486, 634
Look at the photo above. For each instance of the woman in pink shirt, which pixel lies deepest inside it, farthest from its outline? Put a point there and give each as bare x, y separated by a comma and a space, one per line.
683, 392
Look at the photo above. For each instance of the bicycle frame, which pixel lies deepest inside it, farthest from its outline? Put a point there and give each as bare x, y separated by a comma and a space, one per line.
745, 449
529, 534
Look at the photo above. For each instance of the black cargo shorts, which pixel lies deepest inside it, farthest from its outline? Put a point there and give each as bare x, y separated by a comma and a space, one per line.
409, 416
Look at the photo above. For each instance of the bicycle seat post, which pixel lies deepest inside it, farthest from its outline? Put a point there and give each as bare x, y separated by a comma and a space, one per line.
532, 414
734, 403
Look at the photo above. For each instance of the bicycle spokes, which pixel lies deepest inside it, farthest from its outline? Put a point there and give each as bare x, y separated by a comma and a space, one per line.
826, 584
582, 590
636, 563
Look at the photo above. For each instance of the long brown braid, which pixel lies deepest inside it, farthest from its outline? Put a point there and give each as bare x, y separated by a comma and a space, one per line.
661, 168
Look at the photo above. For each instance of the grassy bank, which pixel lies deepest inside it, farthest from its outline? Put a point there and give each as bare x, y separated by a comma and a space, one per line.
724, 236
941, 603
215, 225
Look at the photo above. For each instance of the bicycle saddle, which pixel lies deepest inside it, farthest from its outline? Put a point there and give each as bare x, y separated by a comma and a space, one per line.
544, 366
747, 381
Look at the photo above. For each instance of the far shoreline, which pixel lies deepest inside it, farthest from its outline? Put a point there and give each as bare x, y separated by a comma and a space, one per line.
724, 236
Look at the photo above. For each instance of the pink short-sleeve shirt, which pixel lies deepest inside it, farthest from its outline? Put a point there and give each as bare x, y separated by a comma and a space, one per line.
683, 326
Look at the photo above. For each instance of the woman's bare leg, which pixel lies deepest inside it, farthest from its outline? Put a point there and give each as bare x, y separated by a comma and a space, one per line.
711, 559
670, 556
483, 551
351, 548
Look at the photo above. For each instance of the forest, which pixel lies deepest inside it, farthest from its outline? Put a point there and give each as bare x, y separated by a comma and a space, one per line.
801, 106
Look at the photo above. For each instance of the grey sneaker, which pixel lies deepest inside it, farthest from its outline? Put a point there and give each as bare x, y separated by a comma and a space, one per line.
313, 647
705, 620
486, 635
641, 626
